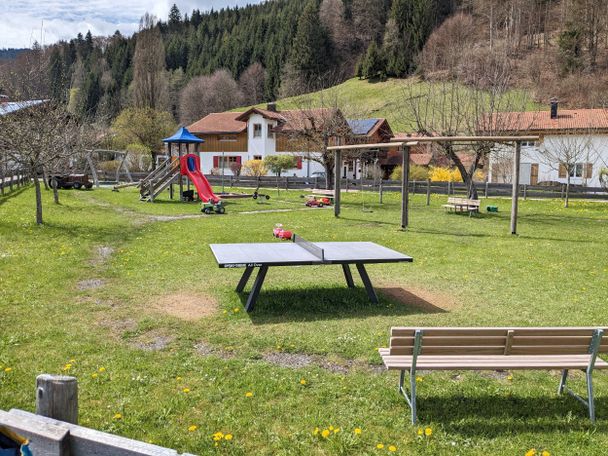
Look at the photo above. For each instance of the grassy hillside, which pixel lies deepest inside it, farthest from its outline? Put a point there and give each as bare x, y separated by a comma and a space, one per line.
361, 98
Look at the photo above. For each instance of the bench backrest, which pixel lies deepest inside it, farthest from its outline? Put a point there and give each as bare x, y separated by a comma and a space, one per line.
464, 201
496, 341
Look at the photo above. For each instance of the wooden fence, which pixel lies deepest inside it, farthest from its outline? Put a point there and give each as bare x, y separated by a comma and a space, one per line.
15, 180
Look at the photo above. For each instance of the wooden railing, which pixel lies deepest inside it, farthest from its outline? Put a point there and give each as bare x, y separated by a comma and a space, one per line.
14, 180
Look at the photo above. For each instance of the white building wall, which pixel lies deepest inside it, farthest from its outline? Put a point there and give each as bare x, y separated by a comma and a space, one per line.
548, 170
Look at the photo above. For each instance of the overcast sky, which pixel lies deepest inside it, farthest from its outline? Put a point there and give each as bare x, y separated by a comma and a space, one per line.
25, 21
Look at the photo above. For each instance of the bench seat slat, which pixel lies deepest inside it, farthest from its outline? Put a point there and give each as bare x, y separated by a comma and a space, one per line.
492, 362
473, 331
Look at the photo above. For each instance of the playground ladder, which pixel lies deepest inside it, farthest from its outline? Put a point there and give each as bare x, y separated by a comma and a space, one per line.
159, 179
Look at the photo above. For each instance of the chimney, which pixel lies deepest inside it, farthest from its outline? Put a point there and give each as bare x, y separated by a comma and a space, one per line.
554, 108
271, 106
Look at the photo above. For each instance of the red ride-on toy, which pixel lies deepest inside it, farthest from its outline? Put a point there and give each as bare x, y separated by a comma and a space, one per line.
281, 233
313, 202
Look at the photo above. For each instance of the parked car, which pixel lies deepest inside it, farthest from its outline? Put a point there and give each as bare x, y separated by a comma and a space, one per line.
68, 181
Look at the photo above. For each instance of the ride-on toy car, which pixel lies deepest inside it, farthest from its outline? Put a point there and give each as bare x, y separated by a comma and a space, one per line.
313, 202
209, 207
281, 233
257, 195
67, 181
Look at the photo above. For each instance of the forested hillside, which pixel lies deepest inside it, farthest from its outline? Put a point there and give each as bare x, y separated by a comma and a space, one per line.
193, 63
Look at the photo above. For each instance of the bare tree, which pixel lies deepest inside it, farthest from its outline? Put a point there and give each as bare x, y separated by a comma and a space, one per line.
150, 83
206, 94
571, 154
252, 82
333, 17
37, 138
450, 108
368, 21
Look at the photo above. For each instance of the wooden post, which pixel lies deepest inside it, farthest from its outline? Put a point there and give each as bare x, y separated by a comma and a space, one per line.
93, 170
525, 192
515, 190
337, 180
487, 189
380, 191
405, 181
428, 192
57, 397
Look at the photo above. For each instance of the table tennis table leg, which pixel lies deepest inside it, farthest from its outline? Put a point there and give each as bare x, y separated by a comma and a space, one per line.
368, 283
348, 276
255, 291
244, 278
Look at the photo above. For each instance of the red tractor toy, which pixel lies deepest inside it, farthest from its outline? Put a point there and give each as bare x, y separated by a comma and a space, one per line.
314, 202
281, 233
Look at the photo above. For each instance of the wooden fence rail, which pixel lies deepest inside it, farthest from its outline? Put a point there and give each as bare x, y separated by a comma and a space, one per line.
13, 181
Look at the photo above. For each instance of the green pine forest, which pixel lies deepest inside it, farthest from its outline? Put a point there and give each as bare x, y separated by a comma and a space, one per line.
301, 45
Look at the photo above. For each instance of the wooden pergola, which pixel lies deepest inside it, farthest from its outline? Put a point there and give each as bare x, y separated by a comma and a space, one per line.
405, 166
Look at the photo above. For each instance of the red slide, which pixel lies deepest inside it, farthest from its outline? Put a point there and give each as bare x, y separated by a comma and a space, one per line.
191, 167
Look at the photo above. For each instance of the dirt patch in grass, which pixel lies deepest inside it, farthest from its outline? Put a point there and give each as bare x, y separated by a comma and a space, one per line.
424, 300
152, 341
102, 255
118, 327
90, 284
300, 360
186, 306
291, 360
205, 349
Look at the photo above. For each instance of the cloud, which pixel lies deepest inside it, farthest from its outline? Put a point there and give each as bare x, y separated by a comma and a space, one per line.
26, 21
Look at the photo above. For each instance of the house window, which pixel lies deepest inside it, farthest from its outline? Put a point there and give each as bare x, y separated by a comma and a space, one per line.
270, 133
257, 157
257, 130
224, 162
577, 170
528, 144
227, 138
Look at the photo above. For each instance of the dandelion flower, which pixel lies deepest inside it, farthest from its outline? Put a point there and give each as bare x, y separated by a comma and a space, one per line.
118, 416
94, 375
67, 367
531, 452
545, 453
419, 379
228, 437
315, 431
509, 377
357, 431
8, 369
192, 428
248, 394
428, 432
186, 390
336, 430
303, 382
420, 431
380, 446
178, 379
72, 361
102, 369
325, 433
392, 448
331, 428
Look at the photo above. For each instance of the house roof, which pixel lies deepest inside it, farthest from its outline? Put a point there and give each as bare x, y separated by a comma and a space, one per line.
274, 115
219, 122
307, 119
362, 126
13, 106
567, 119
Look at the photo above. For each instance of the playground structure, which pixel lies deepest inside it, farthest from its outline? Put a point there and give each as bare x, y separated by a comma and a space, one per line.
405, 166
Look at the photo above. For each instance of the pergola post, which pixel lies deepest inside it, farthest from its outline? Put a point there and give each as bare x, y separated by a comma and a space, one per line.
405, 181
515, 191
337, 181
171, 184
181, 180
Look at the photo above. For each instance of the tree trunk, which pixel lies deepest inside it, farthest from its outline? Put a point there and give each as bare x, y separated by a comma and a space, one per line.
45, 179
567, 190
38, 200
467, 176
55, 191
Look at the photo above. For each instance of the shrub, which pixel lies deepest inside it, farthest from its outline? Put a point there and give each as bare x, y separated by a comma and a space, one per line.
438, 174
417, 173
255, 168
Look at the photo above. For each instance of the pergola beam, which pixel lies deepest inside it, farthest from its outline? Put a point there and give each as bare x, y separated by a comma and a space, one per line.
457, 139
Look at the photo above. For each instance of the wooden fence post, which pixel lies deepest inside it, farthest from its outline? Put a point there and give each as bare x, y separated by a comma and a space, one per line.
380, 191
487, 187
57, 397
428, 192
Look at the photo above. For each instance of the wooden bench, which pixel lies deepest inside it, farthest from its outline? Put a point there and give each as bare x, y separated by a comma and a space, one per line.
433, 349
462, 205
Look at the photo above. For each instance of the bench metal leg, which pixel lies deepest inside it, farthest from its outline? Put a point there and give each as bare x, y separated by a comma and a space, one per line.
368, 283
348, 276
411, 398
257, 286
562, 382
244, 279
590, 399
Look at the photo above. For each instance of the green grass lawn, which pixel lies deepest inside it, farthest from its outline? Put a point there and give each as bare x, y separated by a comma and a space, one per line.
101, 292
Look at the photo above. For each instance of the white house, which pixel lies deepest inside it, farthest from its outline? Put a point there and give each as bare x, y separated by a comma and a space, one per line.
573, 142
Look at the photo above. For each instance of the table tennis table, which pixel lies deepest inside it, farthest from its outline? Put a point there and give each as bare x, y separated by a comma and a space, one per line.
301, 252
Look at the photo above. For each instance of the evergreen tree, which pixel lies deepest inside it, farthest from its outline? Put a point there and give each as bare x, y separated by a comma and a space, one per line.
310, 53
57, 81
373, 64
